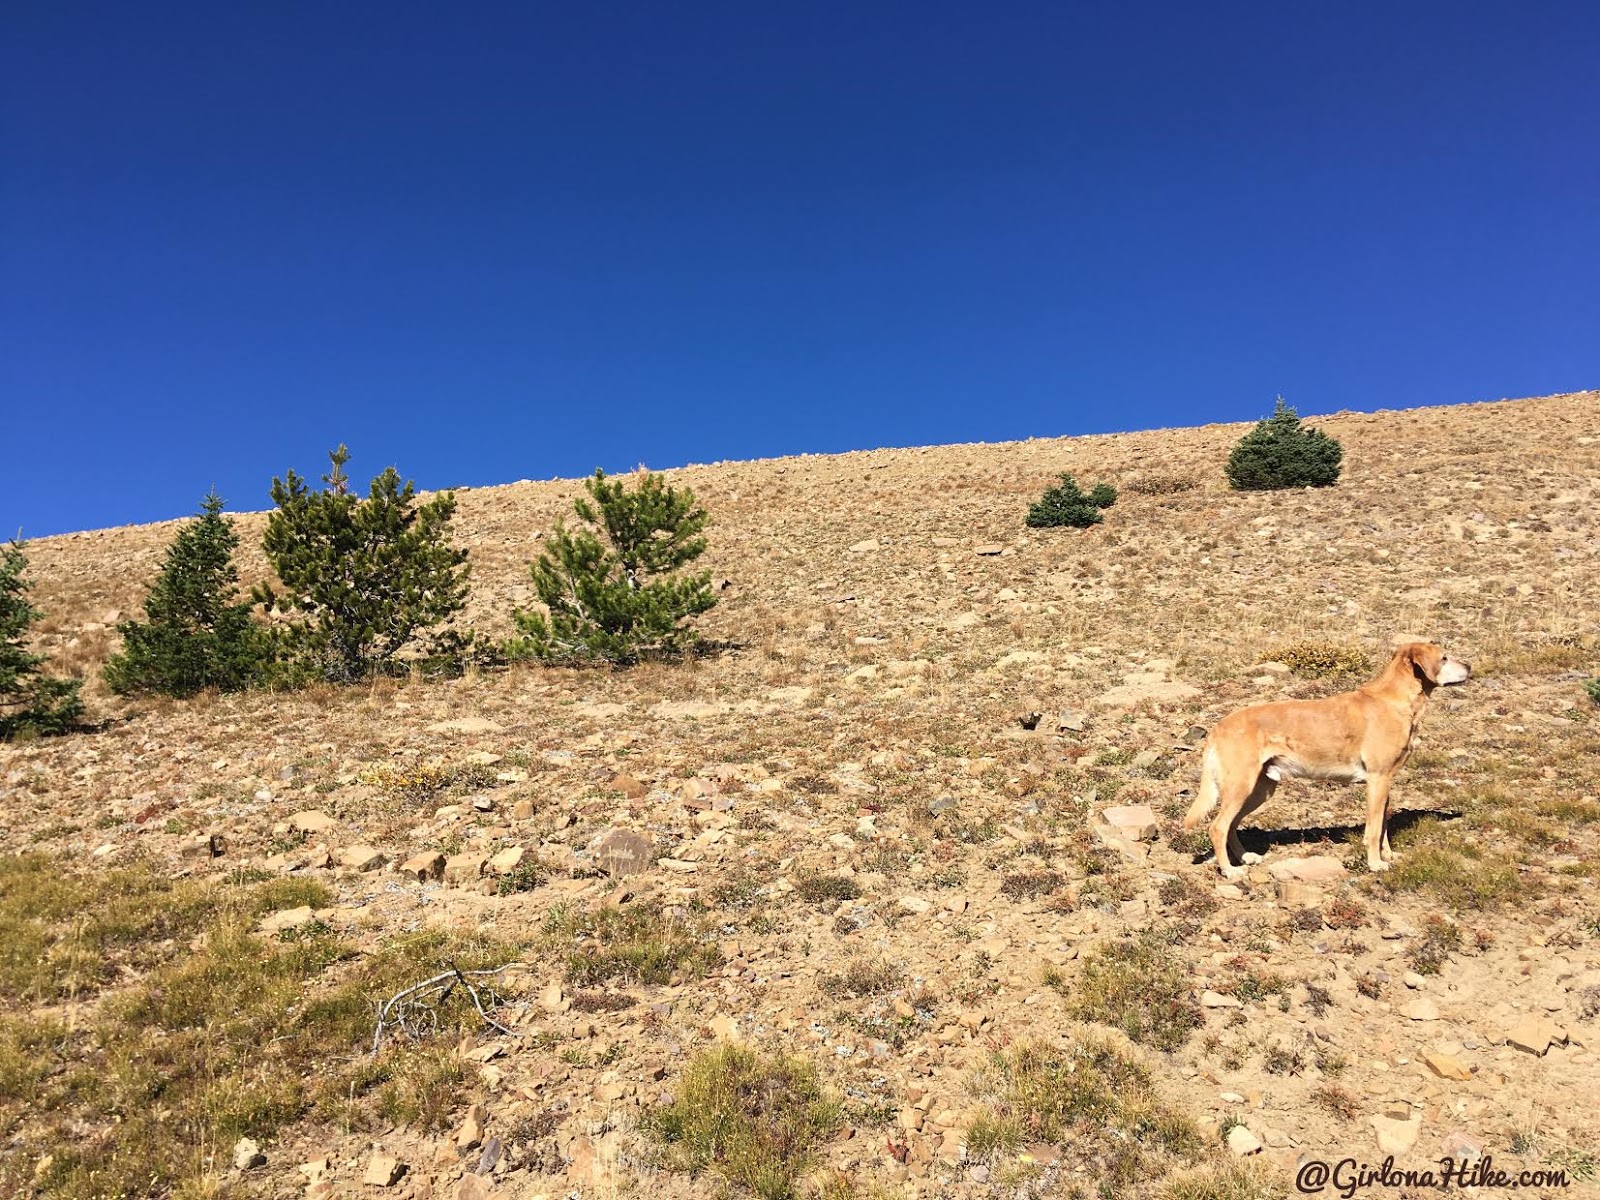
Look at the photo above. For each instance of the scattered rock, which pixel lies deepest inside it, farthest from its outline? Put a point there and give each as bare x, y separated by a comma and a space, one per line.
425, 866
630, 787
1318, 868
988, 549
1294, 894
362, 858
913, 904
1210, 999
384, 1171
473, 1187
247, 1155
1462, 1146
1422, 1009
866, 547
1394, 1135
1447, 1066
621, 852
1242, 1142
1136, 822
463, 869
311, 821
1535, 1034
470, 1134
286, 919
507, 860
1072, 720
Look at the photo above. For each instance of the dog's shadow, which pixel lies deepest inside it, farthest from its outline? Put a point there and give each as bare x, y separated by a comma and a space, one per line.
1260, 841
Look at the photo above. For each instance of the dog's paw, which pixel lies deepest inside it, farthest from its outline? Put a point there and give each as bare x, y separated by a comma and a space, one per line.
1249, 858
1231, 872
1377, 866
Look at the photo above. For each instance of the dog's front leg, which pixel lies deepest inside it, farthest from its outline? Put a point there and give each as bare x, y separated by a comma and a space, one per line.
1376, 835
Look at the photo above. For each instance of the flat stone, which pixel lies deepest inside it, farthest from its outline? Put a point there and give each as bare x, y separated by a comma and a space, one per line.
630, 787
312, 821
1210, 999
1242, 1142
1394, 1135
1462, 1146
1422, 1009
471, 1132
622, 852
422, 867
1294, 894
384, 1170
1535, 1034
1447, 1066
287, 919
362, 858
1136, 822
866, 547
474, 1187
988, 549
507, 861
464, 868
913, 904
1136, 851
1318, 868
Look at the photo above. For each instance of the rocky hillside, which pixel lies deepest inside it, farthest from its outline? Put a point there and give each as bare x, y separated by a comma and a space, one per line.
874, 839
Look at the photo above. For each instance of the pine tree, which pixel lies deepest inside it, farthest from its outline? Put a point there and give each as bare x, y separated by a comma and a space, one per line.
624, 598
197, 632
363, 579
1281, 453
30, 701
1067, 504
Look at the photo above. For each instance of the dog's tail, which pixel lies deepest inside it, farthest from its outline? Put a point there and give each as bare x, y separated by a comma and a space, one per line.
1210, 788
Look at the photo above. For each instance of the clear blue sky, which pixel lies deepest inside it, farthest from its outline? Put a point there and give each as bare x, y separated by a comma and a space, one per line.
487, 242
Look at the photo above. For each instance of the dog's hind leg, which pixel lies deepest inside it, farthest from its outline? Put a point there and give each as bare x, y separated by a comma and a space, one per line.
1259, 795
1234, 793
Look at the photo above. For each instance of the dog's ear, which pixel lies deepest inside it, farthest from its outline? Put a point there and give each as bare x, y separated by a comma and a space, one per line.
1427, 658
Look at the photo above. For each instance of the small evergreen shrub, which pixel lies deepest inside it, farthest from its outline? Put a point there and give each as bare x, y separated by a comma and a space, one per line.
1325, 660
363, 579
1592, 687
1281, 453
197, 633
628, 596
31, 702
1066, 504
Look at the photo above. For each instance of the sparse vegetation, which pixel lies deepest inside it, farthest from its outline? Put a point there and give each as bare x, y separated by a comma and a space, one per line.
364, 580
1140, 987
1067, 505
1280, 452
754, 1119
1043, 1093
629, 596
634, 944
227, 1034
31, 702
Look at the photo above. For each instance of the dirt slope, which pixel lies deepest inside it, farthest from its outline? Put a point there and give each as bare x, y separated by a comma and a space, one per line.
869, 731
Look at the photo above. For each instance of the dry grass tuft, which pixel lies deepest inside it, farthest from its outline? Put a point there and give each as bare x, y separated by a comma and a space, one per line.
755, 1120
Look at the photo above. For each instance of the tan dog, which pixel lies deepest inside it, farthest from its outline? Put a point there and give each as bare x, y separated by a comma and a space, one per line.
1354, 737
